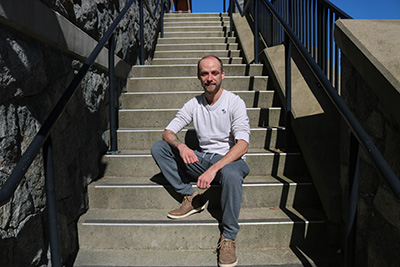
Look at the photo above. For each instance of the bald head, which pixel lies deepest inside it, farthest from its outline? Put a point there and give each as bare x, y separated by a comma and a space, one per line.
210, 56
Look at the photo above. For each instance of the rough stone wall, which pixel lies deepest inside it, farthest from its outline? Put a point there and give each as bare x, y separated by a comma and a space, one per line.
378, 225
33, 76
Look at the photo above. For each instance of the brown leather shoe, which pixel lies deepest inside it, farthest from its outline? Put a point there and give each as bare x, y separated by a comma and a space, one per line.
191, 204
227, 252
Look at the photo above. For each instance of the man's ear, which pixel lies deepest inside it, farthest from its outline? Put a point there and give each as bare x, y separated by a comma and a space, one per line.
223, 74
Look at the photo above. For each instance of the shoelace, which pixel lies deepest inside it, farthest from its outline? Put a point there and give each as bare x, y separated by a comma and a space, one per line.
229, 245
187, 198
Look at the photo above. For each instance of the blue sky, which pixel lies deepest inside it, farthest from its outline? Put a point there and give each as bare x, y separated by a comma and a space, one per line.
358, 9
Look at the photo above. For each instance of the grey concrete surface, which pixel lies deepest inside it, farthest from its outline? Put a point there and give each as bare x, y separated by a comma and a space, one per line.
373, 47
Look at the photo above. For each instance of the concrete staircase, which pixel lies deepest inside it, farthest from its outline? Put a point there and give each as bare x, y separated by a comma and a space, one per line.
127, 225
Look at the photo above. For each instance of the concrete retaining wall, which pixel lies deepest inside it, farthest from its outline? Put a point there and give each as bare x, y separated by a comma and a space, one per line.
371, 88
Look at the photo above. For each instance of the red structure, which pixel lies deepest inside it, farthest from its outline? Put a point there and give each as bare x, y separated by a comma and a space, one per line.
181, 6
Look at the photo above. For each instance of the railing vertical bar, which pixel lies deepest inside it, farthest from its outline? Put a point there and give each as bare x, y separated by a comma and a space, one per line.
300, 34
230, 17
275, 32
296, 16
299, 18
324, 39
309, 27
306, 24
337, 64
314, 34
111, 75
51, 203
256, 31
337, 75
276, 24
162, 18
288, 91
141, 33
291, 19
319, 33
303, 24
332, 24
224, 1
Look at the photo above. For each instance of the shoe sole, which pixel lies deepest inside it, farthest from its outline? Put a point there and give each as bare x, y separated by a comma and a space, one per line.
228, 264
186, 214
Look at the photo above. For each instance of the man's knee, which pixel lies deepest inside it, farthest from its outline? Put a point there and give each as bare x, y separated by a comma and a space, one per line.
231, 174
158, 147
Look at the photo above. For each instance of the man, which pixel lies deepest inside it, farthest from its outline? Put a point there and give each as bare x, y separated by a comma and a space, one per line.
222, 128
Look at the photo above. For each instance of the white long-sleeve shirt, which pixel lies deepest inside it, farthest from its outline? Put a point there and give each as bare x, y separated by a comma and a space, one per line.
217, 126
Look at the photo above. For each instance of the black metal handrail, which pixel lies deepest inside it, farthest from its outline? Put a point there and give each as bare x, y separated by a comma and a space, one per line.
313, 23
43, 137
360, 134
291, 25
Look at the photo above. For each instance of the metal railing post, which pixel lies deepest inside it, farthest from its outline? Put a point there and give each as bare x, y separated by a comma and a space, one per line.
255, 32
51, 203
231, 6
162, 18
320, 34
111, 75
288, 91
224, 5
141, 33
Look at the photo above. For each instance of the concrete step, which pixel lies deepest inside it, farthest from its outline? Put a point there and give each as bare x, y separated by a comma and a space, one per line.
150, 229
176, 61
162, 100
168, 84
196, 40
159, 118
197, 29
218, 33
191, 70
196, 15
196, 53
193, 19
197, 47
141, 164
190, 23
268, 138
258, 192
270, 257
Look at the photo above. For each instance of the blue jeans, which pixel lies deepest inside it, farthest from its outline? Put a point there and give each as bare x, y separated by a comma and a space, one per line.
179, 175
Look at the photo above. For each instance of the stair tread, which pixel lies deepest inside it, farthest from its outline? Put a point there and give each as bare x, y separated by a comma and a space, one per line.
268, 257
196, 58
173, 109
251, 152
193, 65
159, 180
248, 216
272, 128
194, 77
197, 92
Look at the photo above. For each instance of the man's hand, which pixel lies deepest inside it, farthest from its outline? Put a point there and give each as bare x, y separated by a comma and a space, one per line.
204, 180
188, 155
236, 152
